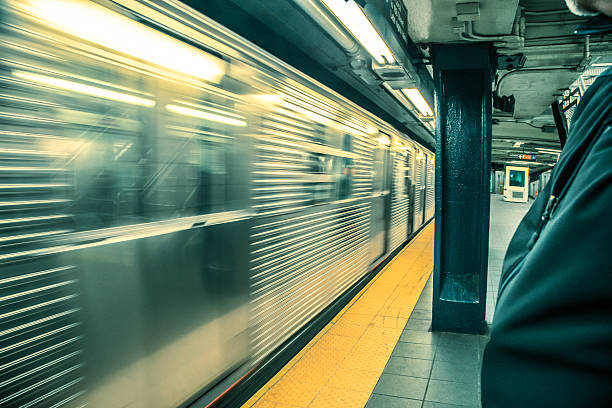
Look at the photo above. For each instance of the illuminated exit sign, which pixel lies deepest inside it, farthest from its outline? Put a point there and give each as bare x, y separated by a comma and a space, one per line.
527, 156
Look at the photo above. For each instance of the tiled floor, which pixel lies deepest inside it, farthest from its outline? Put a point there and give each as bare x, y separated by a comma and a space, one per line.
442, 370
505, 217
429, 369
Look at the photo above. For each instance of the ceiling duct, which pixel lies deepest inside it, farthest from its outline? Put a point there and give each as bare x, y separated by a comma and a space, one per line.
321, 16
400, 73
358, 62
394, 69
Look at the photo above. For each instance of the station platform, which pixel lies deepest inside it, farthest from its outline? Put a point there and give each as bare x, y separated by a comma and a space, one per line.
379, 351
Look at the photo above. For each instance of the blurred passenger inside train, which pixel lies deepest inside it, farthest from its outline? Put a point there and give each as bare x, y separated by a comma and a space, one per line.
551, 338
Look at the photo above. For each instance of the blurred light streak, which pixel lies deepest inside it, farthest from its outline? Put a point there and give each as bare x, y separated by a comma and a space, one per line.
29, 219
32, 202
33, 235
272, 99
181, 110
84, 89
383, 140
95, 23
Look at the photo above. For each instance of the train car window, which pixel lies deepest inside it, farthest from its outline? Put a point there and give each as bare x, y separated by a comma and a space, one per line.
408, 173
168, 165
321, 166
383, 174
398, 186
346, 169
380, 173
106, 169
189, 173
330, 168
122, 146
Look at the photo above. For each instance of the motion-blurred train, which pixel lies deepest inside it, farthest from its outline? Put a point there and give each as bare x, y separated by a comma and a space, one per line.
175, 202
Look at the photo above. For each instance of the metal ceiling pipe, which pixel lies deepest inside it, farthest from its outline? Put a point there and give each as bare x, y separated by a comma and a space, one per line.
599, 47
546, 12
586, 56
513, 39
532, 70
557, 22
319, 14
502, 41
470, 35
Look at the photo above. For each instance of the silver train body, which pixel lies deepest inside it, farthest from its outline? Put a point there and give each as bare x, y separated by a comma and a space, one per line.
162, 225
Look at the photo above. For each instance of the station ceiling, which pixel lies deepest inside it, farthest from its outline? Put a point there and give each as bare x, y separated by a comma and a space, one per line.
539, 58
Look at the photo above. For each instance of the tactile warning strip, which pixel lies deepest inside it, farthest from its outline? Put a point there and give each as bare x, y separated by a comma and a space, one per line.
340, 366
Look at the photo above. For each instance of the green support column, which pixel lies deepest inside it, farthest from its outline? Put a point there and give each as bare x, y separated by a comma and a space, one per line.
462, 77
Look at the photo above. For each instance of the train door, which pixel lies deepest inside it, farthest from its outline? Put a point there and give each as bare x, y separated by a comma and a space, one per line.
381, 198
420, 185
410, 187
430, 188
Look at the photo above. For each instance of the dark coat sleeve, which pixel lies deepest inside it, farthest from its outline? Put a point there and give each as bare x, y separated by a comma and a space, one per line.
551, 338
551, 341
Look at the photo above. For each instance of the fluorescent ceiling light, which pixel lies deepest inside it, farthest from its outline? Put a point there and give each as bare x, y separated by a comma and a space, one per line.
355, 20
95, 23
547, 150
416, 98
205, 115
518, 144
84, 89
383, 140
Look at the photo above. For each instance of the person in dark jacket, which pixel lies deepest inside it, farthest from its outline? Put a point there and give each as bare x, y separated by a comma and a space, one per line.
551, 338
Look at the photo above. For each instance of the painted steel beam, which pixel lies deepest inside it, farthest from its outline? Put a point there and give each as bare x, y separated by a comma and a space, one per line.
462, 77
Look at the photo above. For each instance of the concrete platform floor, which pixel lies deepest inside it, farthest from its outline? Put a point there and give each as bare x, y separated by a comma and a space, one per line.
505, 217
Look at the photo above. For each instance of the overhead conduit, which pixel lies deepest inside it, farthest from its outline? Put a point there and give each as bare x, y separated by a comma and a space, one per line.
517, 38
318, 13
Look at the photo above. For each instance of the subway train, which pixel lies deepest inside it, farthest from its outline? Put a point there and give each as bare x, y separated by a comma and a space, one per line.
176, 203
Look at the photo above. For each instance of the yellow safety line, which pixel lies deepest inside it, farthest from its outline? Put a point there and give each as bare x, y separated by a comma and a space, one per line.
340, 366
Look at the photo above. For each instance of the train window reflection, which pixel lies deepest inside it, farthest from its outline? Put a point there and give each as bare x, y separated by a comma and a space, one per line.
114, 145
330, 166
346, 169
408, 173
322, 185
379, 165
320, 168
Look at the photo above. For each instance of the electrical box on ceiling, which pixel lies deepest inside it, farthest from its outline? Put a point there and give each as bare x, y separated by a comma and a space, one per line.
395, 75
